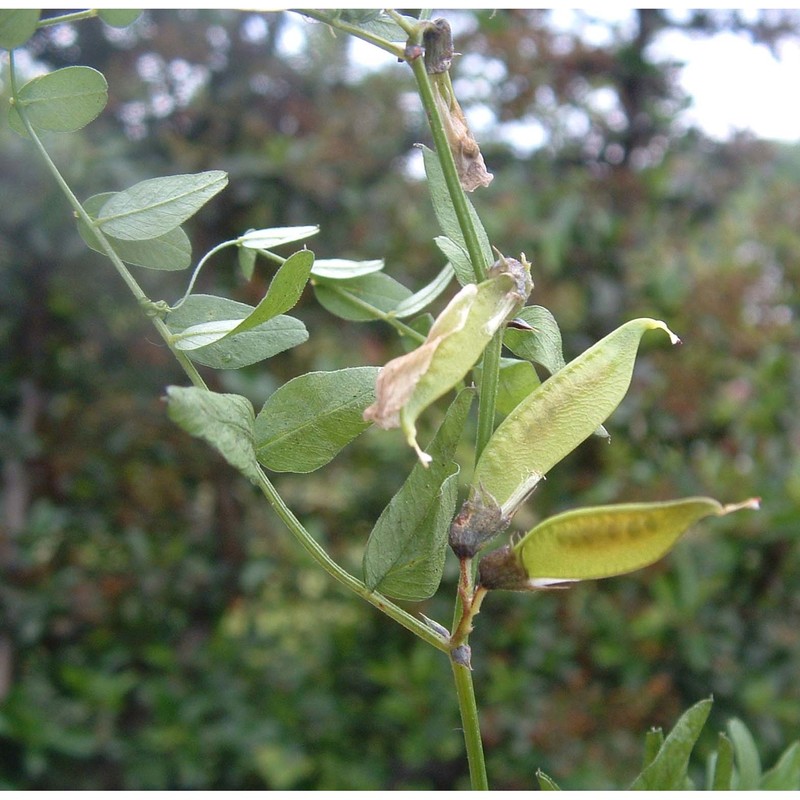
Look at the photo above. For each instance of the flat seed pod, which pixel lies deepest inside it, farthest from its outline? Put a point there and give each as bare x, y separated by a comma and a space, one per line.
598, 542
555, 418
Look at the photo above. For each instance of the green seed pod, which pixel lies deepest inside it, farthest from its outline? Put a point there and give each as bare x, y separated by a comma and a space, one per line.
560, 414
599, 542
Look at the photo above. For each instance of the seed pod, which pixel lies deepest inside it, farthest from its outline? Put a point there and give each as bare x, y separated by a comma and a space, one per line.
558, 415
599, 542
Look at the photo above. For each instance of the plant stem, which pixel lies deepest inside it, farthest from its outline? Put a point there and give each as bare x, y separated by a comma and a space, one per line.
75, 16
490, 373
457, 196
297, 529
374, 311
353, 30
486, 411
487, 398
141, 298
468, 708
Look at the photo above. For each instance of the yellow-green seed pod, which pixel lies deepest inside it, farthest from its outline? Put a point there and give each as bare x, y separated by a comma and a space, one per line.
599, 542
560, 414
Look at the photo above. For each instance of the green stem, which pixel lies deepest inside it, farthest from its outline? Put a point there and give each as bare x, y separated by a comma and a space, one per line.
200, 264
141, 298
76, 16
468, 708
457, 196
296, 528
353, 30
491, 359
376, 313
490, 378
414, 625
410, 28
486, 411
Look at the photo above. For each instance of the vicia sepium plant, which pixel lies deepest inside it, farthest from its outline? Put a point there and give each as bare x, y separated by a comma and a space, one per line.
306, 422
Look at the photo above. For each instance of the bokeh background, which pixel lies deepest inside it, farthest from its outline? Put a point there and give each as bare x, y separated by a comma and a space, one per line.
159, 629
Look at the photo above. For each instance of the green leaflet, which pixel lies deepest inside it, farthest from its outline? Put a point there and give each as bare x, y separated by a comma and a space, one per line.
225, 421
555, 418
458, 258
611, 540
63, 101
407, 385
119, 17
202, 323
786, 772
420, 300
668, 770
170, 251
308, 420
446, 215
653, 740
405, 553
720, 766
17, 25
541, 345
338, 269
266, 238
356, 299
546, 783
283, 293
247, 261
151, 208
748, 762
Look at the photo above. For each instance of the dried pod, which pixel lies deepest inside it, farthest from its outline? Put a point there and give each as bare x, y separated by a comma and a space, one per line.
407, 385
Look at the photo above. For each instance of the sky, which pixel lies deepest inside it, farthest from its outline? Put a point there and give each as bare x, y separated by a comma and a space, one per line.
734, 84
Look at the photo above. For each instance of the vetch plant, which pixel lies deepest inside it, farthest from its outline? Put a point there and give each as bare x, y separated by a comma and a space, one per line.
306, 422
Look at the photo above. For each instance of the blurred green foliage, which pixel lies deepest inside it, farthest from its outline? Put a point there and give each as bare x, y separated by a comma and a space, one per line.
157, 627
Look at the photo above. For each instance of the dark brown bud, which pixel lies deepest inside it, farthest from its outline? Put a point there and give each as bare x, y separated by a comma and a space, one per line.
479, 520
438, 41
501, 569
